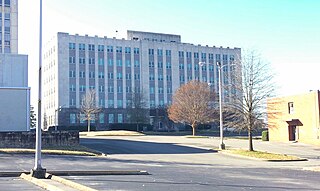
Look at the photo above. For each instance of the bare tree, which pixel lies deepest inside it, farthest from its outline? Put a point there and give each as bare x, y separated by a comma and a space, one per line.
89, 109
252, 84
191, 105
137, 109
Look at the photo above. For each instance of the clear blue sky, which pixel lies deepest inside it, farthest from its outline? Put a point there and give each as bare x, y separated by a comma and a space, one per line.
285, 32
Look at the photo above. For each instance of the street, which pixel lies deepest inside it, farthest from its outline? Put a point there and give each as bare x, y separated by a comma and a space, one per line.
174, 163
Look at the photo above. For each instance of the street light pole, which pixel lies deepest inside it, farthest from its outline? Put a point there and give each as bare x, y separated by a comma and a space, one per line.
38, 171
222, 145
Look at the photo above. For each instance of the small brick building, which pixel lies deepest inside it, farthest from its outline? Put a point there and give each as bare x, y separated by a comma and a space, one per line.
295, 118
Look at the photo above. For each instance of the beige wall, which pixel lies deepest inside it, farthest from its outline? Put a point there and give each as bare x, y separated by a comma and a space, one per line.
306, 110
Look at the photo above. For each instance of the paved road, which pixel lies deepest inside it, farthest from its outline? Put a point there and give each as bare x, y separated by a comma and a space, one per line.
178, 163
175, 163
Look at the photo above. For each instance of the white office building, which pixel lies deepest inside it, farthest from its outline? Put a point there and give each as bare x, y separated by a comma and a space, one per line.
153, 63
13, 72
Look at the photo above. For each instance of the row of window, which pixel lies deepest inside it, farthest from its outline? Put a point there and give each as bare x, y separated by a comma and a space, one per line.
101, 48
91, 61
160, 77
82, 88
82, 74
101, 118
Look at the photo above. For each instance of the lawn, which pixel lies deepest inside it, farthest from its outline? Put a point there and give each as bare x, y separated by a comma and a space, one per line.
263, 155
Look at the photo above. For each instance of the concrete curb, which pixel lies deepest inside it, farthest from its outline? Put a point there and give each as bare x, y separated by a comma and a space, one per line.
70, 183
260, 159
40, 183
95, 172
78, 173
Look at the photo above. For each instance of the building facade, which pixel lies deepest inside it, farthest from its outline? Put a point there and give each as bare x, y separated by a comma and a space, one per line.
295, 118
155, 64
9, 26
15, 93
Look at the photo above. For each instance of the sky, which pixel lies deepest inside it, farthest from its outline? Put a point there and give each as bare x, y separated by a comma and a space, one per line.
286, 33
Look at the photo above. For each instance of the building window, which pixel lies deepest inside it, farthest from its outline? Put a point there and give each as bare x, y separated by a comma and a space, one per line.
160, 52
82, 118
160, 77
128, 63
72, 60
101, 117
82, 60
111, 118
120, 118
91, 74
72, 88
136, 64
101, 103
168, 53
72, 74
100, 48
160, 64
110, 75
110, 62
136, 50
119, 104
119, 49
109, 48
110, 103
151, 90
72, 118
101, 89
82, 74
181, 54
110, 89
91, 47
119, 63
151, 77
119, 89
72, 46
119, 76
137, 76
181, 66
82, 46
127, 50
101, 75
151, 64
168, 66
196, 55
128, 76
151, 51
290, 108
101, 61
91, 60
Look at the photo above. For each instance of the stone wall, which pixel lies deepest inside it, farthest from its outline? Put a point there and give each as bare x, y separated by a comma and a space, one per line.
28, 139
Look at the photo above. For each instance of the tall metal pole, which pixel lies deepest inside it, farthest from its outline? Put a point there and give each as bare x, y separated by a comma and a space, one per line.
222, 145
38, 171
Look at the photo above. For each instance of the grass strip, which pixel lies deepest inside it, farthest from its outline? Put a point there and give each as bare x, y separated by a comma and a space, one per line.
263, 155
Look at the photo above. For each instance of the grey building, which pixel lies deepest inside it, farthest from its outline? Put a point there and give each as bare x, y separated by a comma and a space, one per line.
14, 90
153, 63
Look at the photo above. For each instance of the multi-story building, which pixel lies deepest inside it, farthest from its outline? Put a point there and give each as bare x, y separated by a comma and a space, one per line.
13, 71
9, 26
153, 63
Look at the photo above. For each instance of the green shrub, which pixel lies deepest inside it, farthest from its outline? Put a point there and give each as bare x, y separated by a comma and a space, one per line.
265, 135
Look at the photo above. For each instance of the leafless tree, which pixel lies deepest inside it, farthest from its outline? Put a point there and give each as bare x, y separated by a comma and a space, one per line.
191, 105
252, 84
137, 109
89, 108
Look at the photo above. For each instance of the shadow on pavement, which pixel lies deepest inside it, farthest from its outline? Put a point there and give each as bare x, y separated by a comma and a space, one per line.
118, 146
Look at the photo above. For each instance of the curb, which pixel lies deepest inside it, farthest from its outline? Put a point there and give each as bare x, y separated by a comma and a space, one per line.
95, 172
77, 173
39, 183
260, 159
70, 183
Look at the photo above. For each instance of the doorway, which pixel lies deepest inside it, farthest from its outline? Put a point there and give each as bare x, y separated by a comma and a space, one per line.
292, 132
